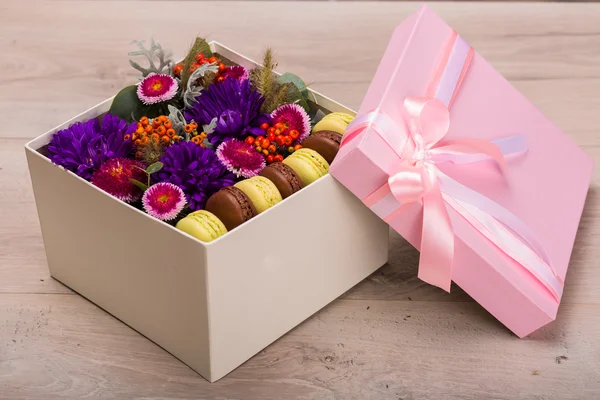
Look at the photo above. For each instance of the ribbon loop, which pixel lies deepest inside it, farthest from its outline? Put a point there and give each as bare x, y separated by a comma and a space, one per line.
416, 180
431, 116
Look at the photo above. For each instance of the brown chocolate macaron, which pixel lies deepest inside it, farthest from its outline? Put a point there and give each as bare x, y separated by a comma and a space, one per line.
231, 206
326, 143
286, 180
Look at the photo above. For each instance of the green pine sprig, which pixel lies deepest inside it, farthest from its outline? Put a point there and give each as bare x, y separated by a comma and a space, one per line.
265, 81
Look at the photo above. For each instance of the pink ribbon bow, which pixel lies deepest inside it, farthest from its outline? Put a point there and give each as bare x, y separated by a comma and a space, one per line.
416, 180
417, 142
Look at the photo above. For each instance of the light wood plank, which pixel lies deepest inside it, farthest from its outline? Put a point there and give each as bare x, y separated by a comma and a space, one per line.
55, 67
55, 346
390, 337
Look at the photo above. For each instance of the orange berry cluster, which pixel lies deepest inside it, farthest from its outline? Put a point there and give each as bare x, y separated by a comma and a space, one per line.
159, 131
199, 60
277, 137
196, 138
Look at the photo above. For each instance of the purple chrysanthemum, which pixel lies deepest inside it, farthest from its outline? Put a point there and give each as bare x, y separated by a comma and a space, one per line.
84, 146
113, 177
196, 170
293, 116
235, 71
163, 201
240, 158
235, 104
156, 88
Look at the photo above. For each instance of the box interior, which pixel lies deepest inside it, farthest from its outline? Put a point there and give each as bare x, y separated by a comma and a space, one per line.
317, 101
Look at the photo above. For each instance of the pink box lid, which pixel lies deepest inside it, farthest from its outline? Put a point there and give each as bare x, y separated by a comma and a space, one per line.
546, 187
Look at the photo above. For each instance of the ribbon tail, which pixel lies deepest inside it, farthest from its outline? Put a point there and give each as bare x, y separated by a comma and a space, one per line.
504, 229
437, 242
454, 150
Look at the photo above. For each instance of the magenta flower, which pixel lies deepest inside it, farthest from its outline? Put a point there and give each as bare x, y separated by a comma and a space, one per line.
113, 177
240, 158
235, 71
164, 201
157, 88
293, 117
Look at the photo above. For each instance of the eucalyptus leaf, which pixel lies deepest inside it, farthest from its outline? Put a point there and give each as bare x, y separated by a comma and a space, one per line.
297, 81
139, 184
126, 104
154, 168
294, 96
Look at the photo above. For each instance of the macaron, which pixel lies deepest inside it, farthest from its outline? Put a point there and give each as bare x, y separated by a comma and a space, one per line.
231, 206
308, 164
326, 143
262, 192
335, 122
286, 180
202, 225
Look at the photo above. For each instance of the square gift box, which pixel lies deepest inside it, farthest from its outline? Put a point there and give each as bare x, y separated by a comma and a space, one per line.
467, 170
212, 305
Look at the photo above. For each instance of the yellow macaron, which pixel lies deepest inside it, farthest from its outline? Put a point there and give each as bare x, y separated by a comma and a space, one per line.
261, 191
202, 225
335, 122
308, 164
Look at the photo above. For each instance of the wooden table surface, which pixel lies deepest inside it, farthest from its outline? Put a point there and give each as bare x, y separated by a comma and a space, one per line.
392, 336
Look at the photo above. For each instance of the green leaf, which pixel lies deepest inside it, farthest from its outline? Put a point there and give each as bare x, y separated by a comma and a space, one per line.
200, 46
127, 105
139, 184
294, 96
297, 81
153, 168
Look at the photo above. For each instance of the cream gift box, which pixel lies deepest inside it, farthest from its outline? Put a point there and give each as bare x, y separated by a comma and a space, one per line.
459, 163
212, 305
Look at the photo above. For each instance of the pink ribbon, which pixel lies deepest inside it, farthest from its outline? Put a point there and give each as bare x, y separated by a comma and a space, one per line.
417, 141
420, 147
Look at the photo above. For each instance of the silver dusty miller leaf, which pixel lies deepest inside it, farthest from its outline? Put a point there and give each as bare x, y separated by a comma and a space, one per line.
178, 121
210, 128
153, 54
193, 88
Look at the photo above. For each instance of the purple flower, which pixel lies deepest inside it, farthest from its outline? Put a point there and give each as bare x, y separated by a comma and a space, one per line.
235, 71
196, 170
84, 146
235, 104
156, 88
163, 201
240, 158
113, 177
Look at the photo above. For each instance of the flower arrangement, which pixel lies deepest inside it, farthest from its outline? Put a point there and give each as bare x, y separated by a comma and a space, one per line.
186, 130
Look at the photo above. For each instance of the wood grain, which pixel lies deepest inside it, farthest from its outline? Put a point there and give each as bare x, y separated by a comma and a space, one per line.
61, 346
392, 336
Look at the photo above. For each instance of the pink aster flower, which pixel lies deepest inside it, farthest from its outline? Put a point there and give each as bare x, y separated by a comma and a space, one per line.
163, 201
235, 71
156, 88
113, 177
293, 116
240, 158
